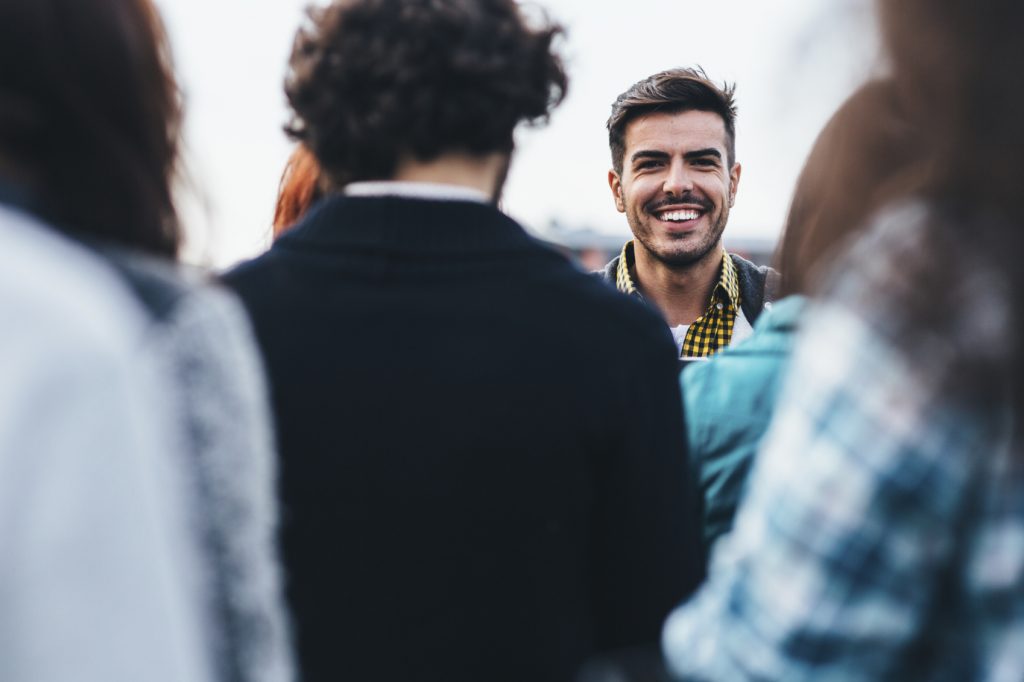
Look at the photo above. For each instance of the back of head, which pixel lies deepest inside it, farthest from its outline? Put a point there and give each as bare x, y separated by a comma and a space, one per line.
671, 91
373, 81
866, 155
89, 117
954, 63
948, 60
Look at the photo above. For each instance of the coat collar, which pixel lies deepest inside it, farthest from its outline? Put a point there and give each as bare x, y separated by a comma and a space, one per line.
726, 288
405, 224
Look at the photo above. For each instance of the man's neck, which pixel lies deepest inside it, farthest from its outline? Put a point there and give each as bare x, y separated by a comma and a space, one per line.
680, 293
482, 173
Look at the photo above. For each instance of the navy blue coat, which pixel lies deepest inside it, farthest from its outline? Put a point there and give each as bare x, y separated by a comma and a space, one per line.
483, 465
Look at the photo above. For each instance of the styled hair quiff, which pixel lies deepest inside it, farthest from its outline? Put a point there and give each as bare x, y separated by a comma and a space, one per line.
371, 81
672, 91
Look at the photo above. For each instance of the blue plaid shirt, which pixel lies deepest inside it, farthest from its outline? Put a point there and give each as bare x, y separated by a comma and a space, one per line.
882, 536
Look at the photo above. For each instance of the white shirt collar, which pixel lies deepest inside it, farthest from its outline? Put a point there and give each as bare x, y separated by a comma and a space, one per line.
418, 190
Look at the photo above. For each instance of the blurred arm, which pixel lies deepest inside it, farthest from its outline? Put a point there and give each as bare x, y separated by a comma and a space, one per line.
832, 567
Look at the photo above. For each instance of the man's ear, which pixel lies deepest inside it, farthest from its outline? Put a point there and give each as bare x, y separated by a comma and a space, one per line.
616, 185
734, 182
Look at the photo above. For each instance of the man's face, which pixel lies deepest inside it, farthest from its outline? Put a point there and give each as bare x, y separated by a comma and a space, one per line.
676, 187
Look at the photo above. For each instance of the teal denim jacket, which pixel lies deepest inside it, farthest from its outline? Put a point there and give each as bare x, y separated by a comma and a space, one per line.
728, 404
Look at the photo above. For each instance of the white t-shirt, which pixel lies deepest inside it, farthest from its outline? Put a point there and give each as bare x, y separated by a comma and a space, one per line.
741, 329
679, 335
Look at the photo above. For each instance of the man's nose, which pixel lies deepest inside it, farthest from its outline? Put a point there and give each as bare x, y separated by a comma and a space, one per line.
678, 180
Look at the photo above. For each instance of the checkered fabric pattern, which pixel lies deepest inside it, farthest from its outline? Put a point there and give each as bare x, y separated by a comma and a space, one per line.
882, 536
710, 332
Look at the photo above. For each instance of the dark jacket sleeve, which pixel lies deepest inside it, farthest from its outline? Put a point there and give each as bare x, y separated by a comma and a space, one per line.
649, 546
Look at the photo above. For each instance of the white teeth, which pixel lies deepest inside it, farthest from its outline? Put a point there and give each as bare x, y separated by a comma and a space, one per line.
680, 216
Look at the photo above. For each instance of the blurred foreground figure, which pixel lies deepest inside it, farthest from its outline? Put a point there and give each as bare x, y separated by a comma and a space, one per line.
97, 564
729, 400
89, 135
482, 457
883, 533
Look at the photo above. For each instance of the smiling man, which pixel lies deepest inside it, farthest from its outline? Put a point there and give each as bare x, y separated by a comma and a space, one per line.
674, 174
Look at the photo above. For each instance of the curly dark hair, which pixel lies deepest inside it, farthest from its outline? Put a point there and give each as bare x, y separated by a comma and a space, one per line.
672, 91
371, 81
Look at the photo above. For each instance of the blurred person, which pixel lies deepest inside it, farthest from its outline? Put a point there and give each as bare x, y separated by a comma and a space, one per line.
89, 136
729, 400
97, 560
481, 451
675, 176
881, 534
301, 186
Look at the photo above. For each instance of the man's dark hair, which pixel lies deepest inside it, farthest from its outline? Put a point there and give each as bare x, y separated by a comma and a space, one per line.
90, 115
672, 92
371, 81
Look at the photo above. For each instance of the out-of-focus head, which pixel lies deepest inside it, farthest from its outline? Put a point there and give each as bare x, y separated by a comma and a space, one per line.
90, 117
375, 81
953, 67
956, 64
301, 186
868, 154
670, 92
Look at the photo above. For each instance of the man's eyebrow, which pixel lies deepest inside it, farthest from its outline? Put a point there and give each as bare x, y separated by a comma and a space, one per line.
701, 153
648, 154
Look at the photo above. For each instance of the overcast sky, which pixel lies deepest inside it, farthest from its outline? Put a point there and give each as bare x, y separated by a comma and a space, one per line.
793, 61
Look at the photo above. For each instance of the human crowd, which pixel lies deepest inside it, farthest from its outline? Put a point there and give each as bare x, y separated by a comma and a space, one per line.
412, 442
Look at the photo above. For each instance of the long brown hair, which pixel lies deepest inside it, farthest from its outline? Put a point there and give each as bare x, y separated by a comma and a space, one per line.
954, 65
90, 117
867, 155
957, 64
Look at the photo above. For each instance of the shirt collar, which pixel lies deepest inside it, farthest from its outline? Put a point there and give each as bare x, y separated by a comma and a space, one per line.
728, 280
405, 224
623, 280
415, 190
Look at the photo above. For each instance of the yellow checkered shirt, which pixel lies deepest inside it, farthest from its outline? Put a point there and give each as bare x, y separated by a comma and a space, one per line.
710, 332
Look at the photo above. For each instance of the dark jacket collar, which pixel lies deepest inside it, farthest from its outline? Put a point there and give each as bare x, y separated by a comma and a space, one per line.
403, 224
758, 284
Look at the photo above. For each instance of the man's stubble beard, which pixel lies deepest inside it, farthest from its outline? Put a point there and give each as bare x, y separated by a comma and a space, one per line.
676, 260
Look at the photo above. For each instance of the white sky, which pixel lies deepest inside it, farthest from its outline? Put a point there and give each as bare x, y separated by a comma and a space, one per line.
793, 62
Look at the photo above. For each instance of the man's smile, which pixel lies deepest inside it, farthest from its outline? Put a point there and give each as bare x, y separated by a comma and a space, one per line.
679, 217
